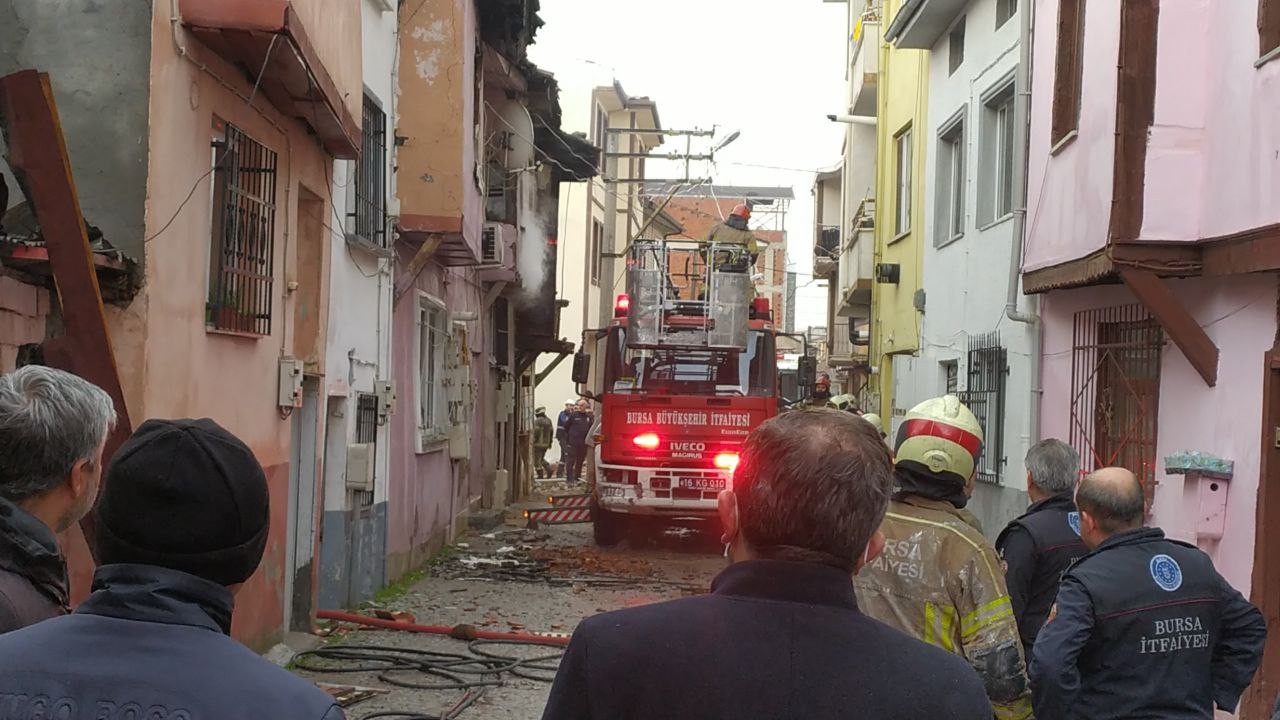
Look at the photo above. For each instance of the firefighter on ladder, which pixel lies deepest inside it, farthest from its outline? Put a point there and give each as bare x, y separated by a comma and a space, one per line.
938, 578
736, 247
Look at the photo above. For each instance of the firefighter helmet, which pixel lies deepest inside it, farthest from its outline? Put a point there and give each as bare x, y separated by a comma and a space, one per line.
942, 435
742, 210
874, 419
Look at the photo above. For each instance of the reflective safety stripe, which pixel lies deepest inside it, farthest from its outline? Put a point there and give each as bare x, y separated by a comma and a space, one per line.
1020, 710
939, 626
989, 614
977, 548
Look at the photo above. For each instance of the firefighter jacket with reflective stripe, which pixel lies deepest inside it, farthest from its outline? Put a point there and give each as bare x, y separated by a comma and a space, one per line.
940, 580
1037, 549
727, 235
1146, 629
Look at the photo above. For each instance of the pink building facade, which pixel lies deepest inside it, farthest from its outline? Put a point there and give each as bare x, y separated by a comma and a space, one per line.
1153, 209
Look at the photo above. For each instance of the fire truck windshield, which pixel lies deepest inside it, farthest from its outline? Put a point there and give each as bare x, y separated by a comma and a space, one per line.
691, 372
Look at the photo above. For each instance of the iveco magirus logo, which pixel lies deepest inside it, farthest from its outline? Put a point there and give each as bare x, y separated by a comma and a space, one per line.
687, 449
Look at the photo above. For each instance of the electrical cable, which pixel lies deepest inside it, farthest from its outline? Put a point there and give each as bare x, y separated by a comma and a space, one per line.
472, 673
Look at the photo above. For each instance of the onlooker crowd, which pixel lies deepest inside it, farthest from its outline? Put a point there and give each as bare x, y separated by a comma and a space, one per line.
859, 584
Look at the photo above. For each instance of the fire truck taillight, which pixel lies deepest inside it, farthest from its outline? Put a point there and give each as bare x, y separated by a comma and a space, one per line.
622, 305
647, 441
727, 460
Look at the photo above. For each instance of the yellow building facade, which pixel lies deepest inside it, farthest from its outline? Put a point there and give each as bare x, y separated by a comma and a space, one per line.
900, 192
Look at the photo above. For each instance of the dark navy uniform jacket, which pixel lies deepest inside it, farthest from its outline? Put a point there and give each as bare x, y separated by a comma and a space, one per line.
149, 643
1146, 629
1037, 548
774, 640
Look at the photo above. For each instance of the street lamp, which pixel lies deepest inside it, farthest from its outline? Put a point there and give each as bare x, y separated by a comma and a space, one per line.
853, 119
725, 142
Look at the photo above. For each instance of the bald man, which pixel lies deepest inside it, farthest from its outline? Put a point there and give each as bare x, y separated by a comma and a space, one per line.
1145, 628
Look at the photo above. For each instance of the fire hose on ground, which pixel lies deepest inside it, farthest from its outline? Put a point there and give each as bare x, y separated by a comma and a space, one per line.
472, 674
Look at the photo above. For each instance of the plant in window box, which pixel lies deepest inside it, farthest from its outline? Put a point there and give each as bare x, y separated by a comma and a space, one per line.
227, 312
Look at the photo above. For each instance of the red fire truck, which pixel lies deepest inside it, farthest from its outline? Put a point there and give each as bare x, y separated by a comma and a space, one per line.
683, 372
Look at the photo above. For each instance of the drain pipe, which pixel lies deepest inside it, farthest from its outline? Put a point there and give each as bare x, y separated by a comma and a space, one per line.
1022, 110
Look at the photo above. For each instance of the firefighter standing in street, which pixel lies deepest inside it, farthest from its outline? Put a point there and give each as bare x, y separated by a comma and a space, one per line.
561, 422
1145, 626
938, 578
1038, 547
543, 433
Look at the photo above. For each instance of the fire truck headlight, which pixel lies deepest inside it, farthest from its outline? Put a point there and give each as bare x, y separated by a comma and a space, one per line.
647, 441
727, 460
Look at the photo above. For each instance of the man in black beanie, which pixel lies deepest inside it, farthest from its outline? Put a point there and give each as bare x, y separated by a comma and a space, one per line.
182, 523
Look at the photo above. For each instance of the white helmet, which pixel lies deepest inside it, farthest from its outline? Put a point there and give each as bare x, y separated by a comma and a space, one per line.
943, 436
875, 420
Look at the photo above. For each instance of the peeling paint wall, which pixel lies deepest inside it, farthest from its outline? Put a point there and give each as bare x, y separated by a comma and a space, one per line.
97, 55
437, 105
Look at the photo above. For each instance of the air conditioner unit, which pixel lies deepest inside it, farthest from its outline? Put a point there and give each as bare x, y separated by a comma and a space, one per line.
361, 459
493, 246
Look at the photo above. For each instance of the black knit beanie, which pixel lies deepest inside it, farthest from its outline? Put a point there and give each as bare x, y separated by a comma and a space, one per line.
185, 495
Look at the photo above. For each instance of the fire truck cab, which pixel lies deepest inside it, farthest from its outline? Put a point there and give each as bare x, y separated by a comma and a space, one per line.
684, 371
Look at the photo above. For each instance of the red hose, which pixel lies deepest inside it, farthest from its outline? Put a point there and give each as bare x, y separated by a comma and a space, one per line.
460, 632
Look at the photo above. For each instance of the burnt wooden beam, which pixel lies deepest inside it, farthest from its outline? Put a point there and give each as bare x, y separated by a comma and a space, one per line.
1173, 316
38, 158
1135, 112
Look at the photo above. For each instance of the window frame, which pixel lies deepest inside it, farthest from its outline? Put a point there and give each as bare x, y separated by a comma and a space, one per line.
1068, 74
373, 145
1268, 30
1005, 11
240, 295
997, 168
955, 57
951, 175
429, 372
596, 242
902, 176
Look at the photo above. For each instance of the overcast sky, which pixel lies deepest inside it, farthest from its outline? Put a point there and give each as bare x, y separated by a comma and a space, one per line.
772, 69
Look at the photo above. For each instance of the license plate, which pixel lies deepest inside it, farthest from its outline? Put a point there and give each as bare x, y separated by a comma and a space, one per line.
702, 483
606, 491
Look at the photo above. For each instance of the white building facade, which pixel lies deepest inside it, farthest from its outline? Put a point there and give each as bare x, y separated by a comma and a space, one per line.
360, 213
969, 346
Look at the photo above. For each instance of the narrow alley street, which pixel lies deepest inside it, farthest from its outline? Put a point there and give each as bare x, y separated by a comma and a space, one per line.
511, 579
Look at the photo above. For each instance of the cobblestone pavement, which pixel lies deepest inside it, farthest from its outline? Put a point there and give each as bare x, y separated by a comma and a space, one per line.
515, 579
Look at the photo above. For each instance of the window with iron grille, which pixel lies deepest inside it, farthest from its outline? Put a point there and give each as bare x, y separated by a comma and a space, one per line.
366, 418
1115, 391
988, 370
366, 432
370, 212
242, 251
950, 376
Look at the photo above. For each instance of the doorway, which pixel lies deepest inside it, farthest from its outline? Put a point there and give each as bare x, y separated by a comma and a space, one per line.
1265, 592
299, 586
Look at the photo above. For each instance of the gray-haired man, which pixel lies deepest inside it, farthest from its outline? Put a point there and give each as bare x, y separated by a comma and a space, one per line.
1038, 547
53, 426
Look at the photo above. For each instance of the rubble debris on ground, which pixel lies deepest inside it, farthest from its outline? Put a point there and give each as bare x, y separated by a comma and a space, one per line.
483, 667
348, 695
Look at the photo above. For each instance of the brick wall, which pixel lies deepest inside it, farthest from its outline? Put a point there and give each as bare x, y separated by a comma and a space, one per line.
23, 310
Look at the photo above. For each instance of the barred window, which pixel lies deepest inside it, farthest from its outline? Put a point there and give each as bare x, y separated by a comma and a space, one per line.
988, 365
243, 234
369, 215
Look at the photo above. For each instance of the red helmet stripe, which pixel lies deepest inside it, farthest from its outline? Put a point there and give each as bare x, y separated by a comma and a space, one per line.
933, 428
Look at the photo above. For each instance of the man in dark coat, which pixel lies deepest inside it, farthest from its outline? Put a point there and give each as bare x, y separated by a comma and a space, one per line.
182, 524
780, 635
1038, 547
1145, 627
53, 426
576, 430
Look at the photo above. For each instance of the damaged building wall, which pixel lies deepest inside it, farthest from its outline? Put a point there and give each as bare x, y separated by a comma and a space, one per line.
97, 55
